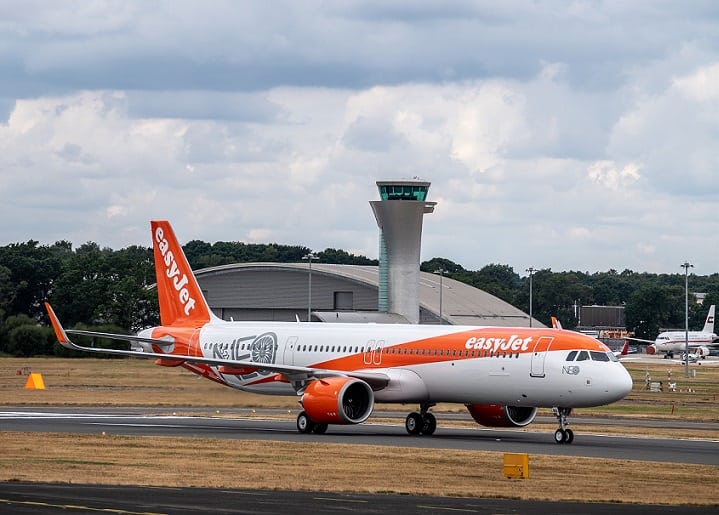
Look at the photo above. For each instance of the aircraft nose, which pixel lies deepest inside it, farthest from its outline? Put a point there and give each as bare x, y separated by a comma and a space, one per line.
621, 383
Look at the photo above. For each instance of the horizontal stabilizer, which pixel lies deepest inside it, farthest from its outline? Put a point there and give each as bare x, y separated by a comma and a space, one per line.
161, 342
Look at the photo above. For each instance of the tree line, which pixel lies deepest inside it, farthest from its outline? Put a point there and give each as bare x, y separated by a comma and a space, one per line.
109, 290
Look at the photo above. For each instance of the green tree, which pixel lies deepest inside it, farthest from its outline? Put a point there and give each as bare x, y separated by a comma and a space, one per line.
652, 308
11, 323
29, 340
342, 257
499, 280
33, 269
450, 267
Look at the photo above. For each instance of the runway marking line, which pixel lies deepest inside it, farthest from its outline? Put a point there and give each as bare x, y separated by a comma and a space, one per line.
337, 499
78, 507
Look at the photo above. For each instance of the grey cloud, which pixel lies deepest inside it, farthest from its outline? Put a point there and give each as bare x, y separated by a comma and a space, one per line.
372, 136
202, 105
248, 46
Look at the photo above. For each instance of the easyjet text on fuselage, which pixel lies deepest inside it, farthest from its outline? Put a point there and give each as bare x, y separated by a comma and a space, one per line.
514, 343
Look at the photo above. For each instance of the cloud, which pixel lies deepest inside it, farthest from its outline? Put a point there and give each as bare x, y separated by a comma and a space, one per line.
538, 125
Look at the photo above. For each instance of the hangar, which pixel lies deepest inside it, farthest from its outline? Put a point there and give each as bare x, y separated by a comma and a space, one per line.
396, 291
343, 293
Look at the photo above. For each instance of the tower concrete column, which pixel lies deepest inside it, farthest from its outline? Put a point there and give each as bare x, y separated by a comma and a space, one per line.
399, 216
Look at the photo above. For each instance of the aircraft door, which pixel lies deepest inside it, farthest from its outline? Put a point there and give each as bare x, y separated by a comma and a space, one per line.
377, 355
539, 354
288, 357
373, 352
368, 352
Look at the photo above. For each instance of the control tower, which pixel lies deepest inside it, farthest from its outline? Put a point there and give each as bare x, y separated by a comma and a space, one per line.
399, 216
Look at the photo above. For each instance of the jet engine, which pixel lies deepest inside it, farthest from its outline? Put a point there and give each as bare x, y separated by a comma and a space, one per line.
338, 400
651, 349
702, 352
495, 415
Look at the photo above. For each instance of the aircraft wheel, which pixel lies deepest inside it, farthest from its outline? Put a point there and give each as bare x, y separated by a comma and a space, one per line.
568, 436
304, 424
413, 423
429, 424
560, 436
320, 429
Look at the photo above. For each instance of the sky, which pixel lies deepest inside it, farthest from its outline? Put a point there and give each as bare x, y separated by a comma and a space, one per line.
562, 135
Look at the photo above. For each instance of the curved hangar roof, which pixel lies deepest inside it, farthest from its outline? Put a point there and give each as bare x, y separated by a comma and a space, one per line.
342, 293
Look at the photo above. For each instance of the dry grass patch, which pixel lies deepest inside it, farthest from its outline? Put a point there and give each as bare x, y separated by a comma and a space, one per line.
165, 461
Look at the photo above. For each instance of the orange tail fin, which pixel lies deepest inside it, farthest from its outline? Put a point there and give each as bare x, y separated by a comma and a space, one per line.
179, 294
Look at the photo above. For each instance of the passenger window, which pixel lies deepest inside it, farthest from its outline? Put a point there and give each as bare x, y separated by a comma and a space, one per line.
572, 355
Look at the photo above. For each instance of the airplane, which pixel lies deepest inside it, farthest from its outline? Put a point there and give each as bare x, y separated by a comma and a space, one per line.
338, 371
704, 342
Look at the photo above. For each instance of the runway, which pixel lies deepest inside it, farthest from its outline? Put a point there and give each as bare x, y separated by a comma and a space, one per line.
35, 498
142, 421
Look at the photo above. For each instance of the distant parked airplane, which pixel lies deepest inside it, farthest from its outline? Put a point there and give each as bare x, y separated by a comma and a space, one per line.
701, 342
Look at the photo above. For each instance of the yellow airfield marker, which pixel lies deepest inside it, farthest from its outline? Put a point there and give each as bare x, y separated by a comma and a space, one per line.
35, 382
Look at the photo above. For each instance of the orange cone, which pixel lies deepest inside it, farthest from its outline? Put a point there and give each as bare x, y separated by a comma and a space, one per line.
35, 382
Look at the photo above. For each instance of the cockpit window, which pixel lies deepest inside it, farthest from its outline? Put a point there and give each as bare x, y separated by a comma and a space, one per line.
599, 356
612, 357
572, 355
583, 356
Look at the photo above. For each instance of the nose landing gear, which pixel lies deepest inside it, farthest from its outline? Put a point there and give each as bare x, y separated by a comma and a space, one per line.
563, 434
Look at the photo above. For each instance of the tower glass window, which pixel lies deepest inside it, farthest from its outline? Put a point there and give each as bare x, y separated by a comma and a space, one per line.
403, 192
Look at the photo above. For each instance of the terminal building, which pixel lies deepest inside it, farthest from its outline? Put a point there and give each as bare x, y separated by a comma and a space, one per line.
393, 292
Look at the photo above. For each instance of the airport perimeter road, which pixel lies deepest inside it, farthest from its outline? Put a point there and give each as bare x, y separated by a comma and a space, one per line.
673, 450
38, 498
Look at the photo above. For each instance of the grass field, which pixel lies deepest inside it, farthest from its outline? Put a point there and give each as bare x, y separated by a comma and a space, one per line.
115, 459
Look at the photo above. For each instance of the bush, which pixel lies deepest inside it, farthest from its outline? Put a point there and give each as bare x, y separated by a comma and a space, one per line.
28, 340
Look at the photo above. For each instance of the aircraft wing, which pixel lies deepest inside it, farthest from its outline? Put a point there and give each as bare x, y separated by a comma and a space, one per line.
294, 374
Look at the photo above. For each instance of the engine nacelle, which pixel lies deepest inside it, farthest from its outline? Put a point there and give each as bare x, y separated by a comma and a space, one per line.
702, 352
651, 349
338, 400
495, 415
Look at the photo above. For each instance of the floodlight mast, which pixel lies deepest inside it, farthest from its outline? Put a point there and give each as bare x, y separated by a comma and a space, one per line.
531, 271
309, 257
686, 266
441, 271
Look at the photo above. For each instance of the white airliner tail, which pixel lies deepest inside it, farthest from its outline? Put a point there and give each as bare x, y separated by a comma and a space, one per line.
709, 324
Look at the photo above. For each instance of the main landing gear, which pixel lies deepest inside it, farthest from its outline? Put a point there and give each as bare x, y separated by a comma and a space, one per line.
305, 425
422, 423
563, 434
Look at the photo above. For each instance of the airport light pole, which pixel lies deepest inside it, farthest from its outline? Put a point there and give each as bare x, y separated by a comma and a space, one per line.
531, 271
440, 271
686, 265
309, 257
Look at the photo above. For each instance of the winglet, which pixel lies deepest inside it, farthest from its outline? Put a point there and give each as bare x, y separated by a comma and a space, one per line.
60, 333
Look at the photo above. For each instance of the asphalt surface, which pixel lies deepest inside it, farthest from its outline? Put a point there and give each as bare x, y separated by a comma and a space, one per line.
40, 498
141, 421
35, 498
